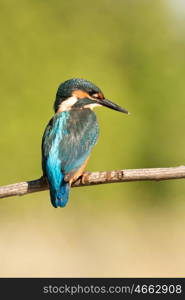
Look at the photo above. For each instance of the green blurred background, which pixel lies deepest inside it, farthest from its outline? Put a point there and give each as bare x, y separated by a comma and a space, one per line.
135, 51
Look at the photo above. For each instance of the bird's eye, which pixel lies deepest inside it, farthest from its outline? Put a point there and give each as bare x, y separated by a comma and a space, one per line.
96, 95
91, 93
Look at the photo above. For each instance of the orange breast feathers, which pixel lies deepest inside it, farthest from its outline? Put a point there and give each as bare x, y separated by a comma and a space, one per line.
71, 177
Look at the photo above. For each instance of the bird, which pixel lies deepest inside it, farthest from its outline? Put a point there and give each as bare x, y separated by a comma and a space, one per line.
70, 135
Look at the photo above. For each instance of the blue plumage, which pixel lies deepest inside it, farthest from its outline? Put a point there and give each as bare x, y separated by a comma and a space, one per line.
67, 143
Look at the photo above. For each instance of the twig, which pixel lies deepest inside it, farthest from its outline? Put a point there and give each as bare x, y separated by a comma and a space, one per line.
93, 178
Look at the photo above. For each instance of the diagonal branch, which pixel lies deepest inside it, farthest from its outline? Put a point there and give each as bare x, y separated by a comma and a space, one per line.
93, 178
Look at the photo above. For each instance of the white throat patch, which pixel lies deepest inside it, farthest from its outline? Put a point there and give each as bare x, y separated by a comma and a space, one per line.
67, 104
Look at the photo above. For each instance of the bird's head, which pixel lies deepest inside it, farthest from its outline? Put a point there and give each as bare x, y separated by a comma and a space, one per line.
80, 93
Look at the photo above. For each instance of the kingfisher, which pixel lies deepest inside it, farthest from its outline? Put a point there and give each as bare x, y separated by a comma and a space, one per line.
70, 135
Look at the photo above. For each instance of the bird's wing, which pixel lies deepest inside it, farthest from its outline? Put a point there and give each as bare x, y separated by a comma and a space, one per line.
68, 141
81, 135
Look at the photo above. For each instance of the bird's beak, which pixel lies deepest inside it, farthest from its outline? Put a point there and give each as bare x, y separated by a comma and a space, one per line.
108, 103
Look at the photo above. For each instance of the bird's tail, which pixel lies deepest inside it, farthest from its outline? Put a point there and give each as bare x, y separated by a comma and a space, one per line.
59, 198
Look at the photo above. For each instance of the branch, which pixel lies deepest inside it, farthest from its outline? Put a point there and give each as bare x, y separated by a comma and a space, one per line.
93, 178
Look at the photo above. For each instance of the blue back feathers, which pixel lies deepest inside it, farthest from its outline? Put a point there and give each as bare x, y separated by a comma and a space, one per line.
67, 142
